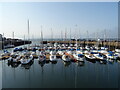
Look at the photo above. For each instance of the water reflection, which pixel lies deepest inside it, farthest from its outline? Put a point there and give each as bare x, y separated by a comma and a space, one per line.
42, 63
66, 64
111, 62
80, 64
118, 61
47, 61
27, 66
54, 62
92, 61
102, 62
14, 65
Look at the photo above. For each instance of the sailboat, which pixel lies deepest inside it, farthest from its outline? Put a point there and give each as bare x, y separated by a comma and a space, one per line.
42, 56
52, 56
65, 58
27, 56
14, 58
78, 55
27, 59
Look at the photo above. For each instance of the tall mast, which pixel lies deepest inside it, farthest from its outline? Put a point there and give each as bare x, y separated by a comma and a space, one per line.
70, 35
13, 35
79, 37
3, 41
51, 35
104, 36
109, 40
61, 35
28, 30
65, 34
97, 39
76, 36
12, 38
41, 37
24, 41
87, 38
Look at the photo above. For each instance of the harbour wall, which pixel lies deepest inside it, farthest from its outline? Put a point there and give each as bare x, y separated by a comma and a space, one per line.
109, 44
15, 42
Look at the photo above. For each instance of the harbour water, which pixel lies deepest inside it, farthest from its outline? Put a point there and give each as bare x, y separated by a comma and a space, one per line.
61, 75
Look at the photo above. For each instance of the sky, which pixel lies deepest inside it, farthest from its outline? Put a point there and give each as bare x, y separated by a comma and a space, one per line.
58, 18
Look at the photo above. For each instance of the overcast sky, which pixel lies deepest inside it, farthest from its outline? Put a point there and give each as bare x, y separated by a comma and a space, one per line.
80, 17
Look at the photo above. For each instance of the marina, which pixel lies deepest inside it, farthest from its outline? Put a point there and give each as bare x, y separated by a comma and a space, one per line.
43, 72
59, 45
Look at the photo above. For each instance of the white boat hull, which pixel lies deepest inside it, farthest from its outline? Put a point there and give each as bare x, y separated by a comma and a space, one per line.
65, 58
53, 58
78, 58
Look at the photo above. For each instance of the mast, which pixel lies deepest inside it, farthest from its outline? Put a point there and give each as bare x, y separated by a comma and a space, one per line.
41, 38
117, 43
65, 34
109, 40
97, 39
104, 36
87, 38
70, 35
3, 41
79, 37
24, 40
52, 36
61, 35
12, 38
13, 35
28, 32
76, 36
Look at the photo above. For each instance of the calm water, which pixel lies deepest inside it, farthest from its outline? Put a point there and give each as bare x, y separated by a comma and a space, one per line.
61, 75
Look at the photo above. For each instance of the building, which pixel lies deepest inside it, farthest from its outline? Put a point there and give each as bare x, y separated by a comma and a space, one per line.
0, 41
